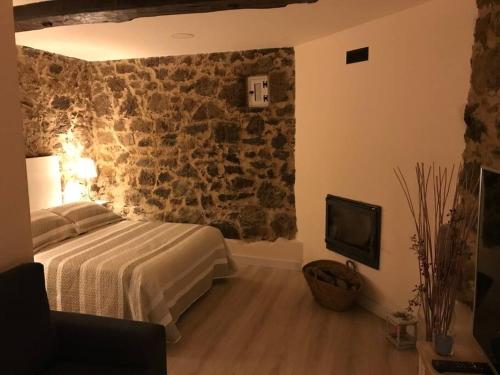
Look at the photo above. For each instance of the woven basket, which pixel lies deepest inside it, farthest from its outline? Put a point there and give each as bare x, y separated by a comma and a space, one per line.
328, 294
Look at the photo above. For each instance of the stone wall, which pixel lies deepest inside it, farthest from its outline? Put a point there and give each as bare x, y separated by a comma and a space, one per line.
55, 92
482, 117
482, 113
172, 136
55, 103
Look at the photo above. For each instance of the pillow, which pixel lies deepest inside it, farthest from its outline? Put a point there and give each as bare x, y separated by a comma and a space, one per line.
48, 228
86, 215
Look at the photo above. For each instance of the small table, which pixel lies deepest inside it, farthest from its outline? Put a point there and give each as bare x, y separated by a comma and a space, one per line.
464, 350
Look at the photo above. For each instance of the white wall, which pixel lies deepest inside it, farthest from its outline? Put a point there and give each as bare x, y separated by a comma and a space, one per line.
15, 236
356, 122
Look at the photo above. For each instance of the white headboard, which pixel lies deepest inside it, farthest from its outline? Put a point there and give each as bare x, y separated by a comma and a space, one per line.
44, 182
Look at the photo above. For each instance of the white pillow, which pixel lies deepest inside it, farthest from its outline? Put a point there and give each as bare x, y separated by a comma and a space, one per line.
86, 215
48, 228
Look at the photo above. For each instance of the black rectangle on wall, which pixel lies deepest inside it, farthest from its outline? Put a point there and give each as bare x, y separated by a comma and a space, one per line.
357, 55
353, 229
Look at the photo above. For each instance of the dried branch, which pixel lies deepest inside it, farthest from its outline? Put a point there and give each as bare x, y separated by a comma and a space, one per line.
440, 239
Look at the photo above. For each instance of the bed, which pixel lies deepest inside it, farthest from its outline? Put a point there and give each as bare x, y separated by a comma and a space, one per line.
146, 271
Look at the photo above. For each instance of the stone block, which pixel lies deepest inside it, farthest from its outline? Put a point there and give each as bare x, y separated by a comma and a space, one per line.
227, 132
206, 86
208, 111
129, 106
188, 171
116, 84
196, 129
284, 225
162, 192
147, 178
239, 183
256, 126
61, 102
271, 195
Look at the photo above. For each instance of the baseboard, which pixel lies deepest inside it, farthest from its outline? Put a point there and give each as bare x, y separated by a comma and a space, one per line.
268, 262
282, 253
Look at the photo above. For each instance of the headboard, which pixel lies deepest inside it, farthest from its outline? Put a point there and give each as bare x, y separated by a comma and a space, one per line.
44, 182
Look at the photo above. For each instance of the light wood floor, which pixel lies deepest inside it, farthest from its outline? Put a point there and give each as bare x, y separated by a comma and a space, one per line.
264, 321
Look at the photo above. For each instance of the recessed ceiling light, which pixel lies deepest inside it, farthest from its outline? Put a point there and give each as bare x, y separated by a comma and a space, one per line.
182, 36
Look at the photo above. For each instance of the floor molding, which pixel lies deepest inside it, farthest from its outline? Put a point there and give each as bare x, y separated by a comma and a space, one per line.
282, 253
268, 262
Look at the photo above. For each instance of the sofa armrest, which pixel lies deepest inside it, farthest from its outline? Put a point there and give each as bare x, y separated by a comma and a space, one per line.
94, 339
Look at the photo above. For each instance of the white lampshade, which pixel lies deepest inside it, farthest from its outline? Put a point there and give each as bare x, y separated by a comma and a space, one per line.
86, 169
73, 192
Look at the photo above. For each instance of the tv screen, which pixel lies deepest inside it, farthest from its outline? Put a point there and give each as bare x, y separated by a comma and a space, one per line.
487, 296
353, 229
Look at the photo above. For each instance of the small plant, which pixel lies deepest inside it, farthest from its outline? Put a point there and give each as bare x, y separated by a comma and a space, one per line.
442, 223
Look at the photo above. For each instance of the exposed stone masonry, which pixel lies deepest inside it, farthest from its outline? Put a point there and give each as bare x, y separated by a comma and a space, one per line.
55, 99
482, 118
172, 136
55, 92
482, 112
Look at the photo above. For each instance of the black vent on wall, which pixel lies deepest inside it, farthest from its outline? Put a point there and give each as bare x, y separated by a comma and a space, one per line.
356, 55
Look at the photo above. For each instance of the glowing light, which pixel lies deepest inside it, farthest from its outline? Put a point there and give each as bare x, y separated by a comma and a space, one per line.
86, 169
76, 170
72, 153
74, 192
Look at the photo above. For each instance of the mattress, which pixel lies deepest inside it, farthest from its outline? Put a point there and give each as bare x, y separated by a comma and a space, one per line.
141, 271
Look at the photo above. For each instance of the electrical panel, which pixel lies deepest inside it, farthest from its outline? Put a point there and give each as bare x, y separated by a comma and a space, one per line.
258, 92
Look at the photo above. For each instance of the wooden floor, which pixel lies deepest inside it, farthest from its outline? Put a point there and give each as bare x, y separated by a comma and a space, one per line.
264, 321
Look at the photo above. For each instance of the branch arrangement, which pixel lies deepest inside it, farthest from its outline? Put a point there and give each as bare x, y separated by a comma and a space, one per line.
442, 222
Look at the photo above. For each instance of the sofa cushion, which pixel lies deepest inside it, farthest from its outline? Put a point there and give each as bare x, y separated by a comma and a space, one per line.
107, 341
72, 368
26, 337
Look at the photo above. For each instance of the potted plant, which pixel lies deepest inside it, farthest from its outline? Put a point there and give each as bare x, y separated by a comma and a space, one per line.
443, 219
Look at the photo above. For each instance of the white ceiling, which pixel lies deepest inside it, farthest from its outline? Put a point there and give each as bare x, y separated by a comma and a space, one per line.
214, 32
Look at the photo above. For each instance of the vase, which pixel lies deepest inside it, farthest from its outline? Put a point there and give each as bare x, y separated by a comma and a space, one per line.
443, 344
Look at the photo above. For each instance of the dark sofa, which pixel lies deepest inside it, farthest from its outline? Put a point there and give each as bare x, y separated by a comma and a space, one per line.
35, 340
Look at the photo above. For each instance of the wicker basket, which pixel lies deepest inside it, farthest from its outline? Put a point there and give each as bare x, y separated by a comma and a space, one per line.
328, 294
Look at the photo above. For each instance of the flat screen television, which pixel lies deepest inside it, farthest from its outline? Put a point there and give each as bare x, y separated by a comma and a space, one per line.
487, 294
353, 229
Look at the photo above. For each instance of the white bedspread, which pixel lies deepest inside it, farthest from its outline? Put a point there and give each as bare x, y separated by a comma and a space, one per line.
136, 270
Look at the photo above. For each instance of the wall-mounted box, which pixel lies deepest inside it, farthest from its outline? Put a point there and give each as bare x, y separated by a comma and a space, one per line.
258, 91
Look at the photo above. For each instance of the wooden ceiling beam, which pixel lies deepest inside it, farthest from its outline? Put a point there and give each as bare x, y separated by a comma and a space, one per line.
54, 13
